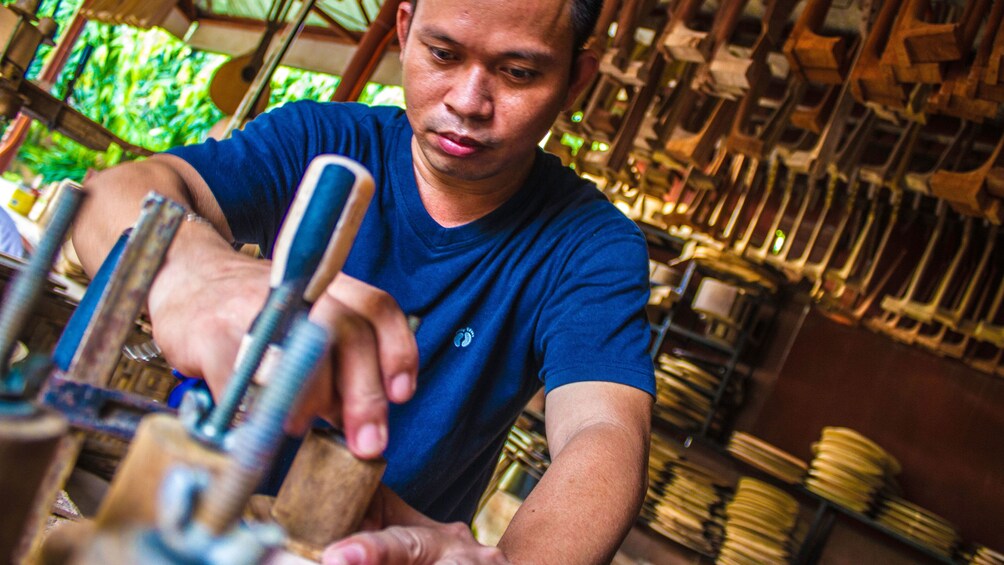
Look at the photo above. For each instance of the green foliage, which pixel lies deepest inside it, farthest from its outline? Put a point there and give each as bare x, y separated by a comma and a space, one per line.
150, 89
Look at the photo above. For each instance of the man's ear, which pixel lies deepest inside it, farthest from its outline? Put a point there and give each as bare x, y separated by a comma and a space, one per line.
405, 12
584, 67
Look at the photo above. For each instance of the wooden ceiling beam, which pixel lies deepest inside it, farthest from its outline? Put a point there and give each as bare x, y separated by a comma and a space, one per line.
256, 25
337, 27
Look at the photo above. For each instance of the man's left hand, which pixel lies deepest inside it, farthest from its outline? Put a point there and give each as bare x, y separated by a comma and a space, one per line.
413, 545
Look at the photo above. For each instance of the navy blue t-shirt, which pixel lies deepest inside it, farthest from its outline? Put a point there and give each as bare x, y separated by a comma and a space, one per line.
549, 288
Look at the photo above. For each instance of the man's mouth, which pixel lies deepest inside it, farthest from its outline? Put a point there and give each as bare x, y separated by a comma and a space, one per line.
458, 145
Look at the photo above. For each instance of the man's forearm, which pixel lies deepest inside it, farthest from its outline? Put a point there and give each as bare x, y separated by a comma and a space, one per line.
585, 503
113, 203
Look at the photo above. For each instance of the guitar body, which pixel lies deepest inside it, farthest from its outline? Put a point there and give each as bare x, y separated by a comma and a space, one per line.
229, 86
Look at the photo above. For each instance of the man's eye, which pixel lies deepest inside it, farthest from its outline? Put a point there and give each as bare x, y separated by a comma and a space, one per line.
520, 74
440, 54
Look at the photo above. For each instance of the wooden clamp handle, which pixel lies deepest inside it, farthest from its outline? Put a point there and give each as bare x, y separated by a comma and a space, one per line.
919, 41
969, 188
682, 43
813, 56
871, 81
895, 57
696, 148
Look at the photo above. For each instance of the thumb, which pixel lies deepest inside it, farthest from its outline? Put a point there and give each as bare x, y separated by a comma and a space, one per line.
405, 546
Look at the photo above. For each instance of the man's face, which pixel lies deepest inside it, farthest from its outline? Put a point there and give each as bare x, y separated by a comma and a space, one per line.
484, 80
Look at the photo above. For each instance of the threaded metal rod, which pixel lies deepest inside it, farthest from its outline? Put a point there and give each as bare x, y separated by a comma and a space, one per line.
27, 287
276, 309
258, 439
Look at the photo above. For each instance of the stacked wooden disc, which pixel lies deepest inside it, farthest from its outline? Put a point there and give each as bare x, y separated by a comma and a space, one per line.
664, 281
986, 556
734, 266
919, 524
684, 392
849, 469
769, 459
684, 501
758, 526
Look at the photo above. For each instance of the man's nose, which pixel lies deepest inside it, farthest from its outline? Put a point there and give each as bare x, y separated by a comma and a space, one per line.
470, 94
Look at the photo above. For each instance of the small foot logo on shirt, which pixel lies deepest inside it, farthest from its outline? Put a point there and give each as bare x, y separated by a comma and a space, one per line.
463, 337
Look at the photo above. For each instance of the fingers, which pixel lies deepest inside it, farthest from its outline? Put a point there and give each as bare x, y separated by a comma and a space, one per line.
446, 543
357, 379
319, 398
396, 348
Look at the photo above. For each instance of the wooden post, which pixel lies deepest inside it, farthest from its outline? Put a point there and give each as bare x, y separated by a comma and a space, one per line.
18, 129
368, 54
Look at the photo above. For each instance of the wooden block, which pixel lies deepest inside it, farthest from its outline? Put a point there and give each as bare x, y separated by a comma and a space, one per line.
816, 58
325, 494
870, 80
27, 447
969, 188
697, 147
994, 74
757, 141
682, 43
161, 442
919, 41
814, 117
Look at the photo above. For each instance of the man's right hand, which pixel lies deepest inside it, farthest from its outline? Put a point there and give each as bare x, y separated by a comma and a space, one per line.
201, 313
206, 297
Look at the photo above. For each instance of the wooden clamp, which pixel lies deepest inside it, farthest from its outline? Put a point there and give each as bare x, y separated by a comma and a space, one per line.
640, 102
817, 150
758, 138
924, 311
949, 157
952, 98
680, 40
917, 41
762, 174
759, 254
734, 67
675, 102
603, 112
813, 56
951, 316
695, 139
630, 57
870, 80
816, 108
894, 56
979, 85
815, 270
968, 189
913, 288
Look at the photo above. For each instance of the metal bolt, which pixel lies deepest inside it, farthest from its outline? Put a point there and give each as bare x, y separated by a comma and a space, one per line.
258, 439
26, 288
264, 331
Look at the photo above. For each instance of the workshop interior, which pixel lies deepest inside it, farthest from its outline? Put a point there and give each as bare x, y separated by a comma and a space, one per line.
821, 187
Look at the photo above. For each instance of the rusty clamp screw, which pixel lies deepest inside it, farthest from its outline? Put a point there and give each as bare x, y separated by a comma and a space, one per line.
26, 288
217, 423
257, 440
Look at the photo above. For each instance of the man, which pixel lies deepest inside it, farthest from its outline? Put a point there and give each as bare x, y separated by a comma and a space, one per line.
521, 272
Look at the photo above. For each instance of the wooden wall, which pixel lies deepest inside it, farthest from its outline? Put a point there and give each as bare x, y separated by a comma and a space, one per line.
941, 419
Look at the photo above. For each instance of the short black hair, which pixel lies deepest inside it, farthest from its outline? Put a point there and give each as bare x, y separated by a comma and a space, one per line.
584, 16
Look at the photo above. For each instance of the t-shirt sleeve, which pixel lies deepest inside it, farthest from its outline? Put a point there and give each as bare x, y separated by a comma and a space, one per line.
593, 326
254, 173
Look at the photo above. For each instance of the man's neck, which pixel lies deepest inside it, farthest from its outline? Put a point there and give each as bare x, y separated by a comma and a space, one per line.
454, 202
